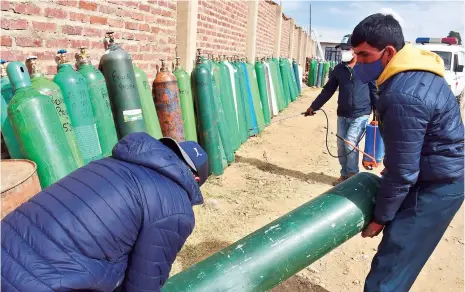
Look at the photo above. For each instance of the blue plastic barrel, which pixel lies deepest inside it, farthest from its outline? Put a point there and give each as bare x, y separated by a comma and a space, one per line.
374, 146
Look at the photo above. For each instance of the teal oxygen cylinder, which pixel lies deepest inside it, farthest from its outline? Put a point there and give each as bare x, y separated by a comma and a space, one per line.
38, 128
7, 131
76, 95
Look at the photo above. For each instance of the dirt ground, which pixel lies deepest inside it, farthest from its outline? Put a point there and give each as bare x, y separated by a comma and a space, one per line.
284, 167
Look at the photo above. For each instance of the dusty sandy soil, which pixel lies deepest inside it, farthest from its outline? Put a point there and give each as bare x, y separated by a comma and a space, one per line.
284, 167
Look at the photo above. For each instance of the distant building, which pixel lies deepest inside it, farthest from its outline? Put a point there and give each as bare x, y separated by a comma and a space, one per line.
330, 51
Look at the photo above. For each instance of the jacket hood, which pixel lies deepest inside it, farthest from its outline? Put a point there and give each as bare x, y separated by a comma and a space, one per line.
144, 150
412, 59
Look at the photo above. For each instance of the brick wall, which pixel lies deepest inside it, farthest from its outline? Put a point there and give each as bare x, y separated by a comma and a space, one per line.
295, 46
285, 38
266, 29
222, 27
146, 29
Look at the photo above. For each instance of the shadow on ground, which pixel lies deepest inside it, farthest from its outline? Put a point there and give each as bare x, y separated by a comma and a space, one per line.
298, 283
272, 168
192, 254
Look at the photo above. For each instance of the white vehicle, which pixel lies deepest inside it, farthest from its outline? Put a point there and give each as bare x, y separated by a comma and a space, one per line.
454, 59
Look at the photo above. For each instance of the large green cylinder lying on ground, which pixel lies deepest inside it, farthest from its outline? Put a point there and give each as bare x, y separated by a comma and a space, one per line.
274, 253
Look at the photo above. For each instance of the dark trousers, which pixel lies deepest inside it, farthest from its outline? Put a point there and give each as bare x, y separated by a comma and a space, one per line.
410, 239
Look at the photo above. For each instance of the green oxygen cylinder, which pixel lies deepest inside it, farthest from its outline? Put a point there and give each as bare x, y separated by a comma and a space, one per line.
243, 130
38, 128
99, 101
222, 110
276, 84
51, 89
187, 103
284, 94
270, 255
255, 97
260, 69
7, 131
291, 80
77, 100
148, 106
116, 66
227, 100
206, 113
285, 79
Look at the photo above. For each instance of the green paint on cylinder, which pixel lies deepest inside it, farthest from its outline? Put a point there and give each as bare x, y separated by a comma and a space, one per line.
222, 111
206, 113
227, 100
7, 131
261, 79
116, 65
276, 84
279, 250
284, 96
51, 89
286, 84
242, 120
152, 124
76, 96
256, 97
187, 103
101, 106
38, 128
245, 99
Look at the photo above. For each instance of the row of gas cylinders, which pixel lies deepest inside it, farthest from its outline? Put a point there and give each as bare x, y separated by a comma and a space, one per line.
236, 100
78, 117
319, 72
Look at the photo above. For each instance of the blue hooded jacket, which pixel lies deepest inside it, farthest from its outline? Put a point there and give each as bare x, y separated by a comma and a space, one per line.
118, 221
355, 98
422, 129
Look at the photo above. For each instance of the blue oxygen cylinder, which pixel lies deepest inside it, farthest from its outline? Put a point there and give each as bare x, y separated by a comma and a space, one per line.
374, 146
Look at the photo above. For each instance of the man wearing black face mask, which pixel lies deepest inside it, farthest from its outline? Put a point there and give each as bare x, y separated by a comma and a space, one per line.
355, 103
423, 184
115, 223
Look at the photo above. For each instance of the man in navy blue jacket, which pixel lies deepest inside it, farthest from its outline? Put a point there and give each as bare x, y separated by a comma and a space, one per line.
423, 184
355, 103
117, 222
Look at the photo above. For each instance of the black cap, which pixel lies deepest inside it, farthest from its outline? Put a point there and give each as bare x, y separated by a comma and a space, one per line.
345, 43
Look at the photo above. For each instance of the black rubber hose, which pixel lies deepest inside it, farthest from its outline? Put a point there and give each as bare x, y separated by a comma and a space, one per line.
327, 134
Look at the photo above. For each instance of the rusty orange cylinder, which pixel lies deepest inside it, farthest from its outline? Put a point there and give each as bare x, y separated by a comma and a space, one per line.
165, 93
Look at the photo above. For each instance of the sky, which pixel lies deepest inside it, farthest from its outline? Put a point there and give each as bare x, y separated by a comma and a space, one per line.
333, 19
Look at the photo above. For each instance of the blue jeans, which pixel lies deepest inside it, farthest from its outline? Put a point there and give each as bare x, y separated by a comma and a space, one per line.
350, 129
410, 239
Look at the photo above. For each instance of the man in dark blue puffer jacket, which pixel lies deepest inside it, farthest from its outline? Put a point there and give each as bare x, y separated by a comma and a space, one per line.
116, 222
423, 184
